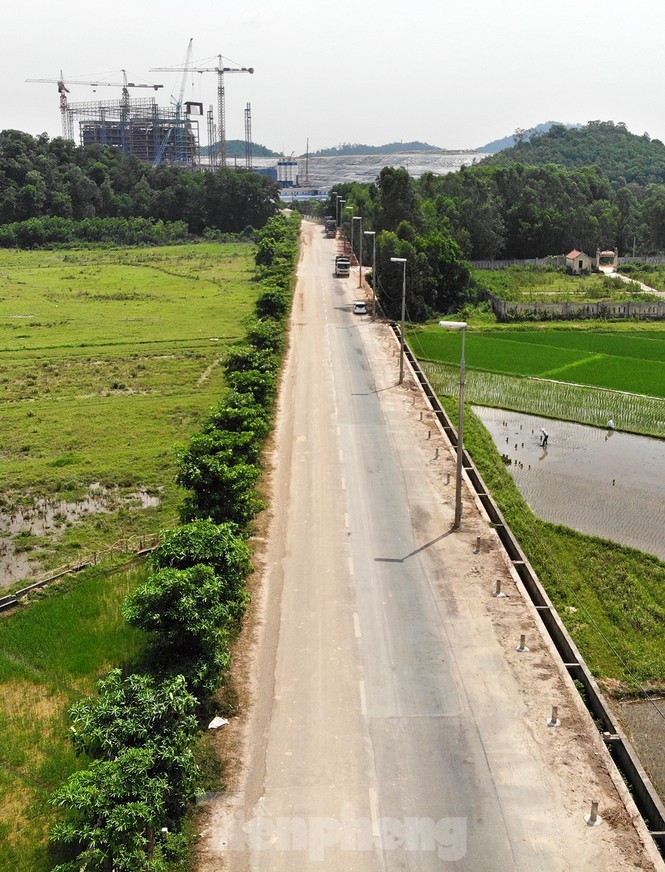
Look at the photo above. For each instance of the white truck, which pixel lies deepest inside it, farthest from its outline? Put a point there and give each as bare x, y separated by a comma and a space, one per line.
342, 266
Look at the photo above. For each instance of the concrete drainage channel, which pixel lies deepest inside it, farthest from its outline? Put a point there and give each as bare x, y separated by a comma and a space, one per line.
643, 792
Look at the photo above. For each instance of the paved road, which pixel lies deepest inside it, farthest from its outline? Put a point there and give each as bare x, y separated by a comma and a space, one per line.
389, 730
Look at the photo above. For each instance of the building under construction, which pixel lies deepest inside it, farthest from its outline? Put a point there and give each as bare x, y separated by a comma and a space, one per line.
154, 134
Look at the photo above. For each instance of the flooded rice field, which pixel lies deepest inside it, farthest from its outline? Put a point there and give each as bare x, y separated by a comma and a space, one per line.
644, 723
603, 483
597, 481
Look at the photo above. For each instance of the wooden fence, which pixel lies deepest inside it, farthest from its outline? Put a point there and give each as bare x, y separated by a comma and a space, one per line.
134, 545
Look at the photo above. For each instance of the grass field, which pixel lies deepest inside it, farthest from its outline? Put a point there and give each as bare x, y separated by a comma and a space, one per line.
520, 284
107, 359
649, 274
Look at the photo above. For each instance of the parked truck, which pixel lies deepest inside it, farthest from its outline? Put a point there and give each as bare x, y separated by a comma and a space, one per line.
342, 266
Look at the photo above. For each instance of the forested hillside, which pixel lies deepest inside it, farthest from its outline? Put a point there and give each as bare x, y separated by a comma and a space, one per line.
53, 192
522, 134
622, 156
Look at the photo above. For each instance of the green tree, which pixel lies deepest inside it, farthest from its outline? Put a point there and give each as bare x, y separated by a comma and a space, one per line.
397, 200
115, 808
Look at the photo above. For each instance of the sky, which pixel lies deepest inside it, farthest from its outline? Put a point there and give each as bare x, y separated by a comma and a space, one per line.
454, 75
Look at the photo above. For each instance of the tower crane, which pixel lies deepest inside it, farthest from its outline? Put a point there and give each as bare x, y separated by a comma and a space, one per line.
63, 90
221, 100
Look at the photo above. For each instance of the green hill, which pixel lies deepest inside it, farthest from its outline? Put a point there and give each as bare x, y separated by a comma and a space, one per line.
621, 155
521, 134
236, 148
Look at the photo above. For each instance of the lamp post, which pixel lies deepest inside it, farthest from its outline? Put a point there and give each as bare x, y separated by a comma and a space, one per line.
340, 211
402, 260
459, 325
360, 247
372, 233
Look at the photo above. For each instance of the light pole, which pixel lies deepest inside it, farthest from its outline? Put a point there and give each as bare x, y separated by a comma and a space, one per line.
340, 211
459, 325
360, 246
402, 260
372, 233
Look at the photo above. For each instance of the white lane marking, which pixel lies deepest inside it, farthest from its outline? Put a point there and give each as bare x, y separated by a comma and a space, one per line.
343, 483
346, 520
374, 812
363, 699
341, 457
351, 566
356, 625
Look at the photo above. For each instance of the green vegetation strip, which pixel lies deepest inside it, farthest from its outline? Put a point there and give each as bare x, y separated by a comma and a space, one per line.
97, 402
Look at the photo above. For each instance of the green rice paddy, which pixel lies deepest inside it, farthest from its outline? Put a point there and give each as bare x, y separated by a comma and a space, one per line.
578, 375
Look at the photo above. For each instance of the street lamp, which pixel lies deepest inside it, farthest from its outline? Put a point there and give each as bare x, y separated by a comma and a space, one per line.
459, 325
340, 211
372, 233
338, 198
360, 245
402, 260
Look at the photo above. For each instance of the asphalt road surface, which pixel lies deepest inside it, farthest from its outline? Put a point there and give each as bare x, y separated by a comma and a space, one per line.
394, 725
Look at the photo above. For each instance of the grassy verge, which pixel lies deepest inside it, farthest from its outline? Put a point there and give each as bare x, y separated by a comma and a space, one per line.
611, 598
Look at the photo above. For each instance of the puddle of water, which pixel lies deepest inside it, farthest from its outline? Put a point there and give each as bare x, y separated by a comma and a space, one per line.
49, 516
596, 481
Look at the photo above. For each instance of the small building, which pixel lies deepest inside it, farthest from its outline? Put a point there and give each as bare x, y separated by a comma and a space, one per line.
577, 262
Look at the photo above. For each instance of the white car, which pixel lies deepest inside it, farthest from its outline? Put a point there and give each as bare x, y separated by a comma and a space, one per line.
360, 307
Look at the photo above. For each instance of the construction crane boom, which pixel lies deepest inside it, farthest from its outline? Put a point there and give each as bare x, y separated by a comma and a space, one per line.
221, 98
63, 90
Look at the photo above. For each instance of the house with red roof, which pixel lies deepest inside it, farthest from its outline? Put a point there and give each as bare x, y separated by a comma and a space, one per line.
577, 262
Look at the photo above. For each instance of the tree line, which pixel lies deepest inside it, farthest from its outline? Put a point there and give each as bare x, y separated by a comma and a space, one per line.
124, 811
53, 192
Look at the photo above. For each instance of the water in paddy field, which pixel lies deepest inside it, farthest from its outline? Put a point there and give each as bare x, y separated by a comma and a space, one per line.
597, 481
602, 483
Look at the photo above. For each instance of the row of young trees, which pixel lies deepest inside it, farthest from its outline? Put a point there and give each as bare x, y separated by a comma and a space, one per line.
42, 178
125, 810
